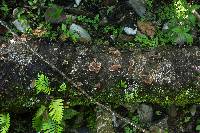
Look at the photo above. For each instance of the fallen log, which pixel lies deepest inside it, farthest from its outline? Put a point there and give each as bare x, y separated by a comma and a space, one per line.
96, 68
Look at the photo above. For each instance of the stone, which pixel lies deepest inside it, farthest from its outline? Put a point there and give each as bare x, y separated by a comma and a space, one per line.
138, 6
145, 113
84, 35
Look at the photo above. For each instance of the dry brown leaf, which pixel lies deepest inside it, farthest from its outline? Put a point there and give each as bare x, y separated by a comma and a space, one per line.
38, 32
147, 28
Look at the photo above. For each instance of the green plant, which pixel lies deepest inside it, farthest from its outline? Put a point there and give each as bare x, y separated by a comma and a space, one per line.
4, 122
122, 84
68, 34
146, 41
50, 119
113, 30
4, 8
93, 22
110, 10
63, 87
49, 122
149, 4
135, 120
181, 35
128, 130
35, 3
54, 14
51, 127
56, 110
42, 84
198, 125
38, 118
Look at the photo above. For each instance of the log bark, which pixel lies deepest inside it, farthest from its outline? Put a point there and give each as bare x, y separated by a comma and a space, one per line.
95, 67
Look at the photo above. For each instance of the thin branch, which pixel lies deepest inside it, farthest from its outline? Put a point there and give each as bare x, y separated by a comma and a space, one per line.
6, 26
196, 14
73, 84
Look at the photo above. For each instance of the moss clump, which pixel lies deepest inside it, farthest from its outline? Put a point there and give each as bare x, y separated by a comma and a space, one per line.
165, 96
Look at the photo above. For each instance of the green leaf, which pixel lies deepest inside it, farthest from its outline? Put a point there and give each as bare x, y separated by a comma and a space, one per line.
42, 84
192, 19
51, 127
63, 27
56, 110
198, 128
62, 87
4, 122
38, 119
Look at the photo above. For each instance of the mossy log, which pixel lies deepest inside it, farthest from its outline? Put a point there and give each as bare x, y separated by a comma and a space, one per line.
96, 67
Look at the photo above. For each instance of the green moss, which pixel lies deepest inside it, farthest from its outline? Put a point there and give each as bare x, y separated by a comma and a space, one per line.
165, 97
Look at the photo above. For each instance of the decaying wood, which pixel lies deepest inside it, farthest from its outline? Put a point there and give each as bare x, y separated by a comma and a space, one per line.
96, 64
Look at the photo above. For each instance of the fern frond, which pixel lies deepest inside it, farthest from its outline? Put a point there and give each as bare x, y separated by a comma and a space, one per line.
42, 84
56, 110
37, 120
4, 122
51, 127
63, 87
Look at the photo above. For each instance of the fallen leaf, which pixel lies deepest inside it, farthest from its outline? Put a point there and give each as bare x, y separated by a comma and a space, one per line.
147, 28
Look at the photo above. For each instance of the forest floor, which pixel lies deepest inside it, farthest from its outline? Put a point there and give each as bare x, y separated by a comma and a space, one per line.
111, 23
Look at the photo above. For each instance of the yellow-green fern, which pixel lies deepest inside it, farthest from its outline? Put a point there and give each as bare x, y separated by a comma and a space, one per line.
49, 122
56, 110
51, 127
38, 119
4, 122
42, 84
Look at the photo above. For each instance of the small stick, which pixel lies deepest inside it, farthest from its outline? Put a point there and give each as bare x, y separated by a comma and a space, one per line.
196, 14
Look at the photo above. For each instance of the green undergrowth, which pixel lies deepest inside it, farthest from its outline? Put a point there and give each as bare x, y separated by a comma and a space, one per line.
46, 19
61, 105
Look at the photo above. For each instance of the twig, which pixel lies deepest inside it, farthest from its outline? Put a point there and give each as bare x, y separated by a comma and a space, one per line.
74, 84
196, 14
9, 29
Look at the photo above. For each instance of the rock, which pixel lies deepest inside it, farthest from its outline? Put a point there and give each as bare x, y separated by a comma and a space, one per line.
193, 110
130, 31
84, 35
21, 26
77, 3
104, 121
138, 6
145, 113
159, 126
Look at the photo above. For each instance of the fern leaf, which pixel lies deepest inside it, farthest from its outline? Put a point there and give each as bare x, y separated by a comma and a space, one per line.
56, 110
62, 87
37, 120
42, 84
4, 122
51, 127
